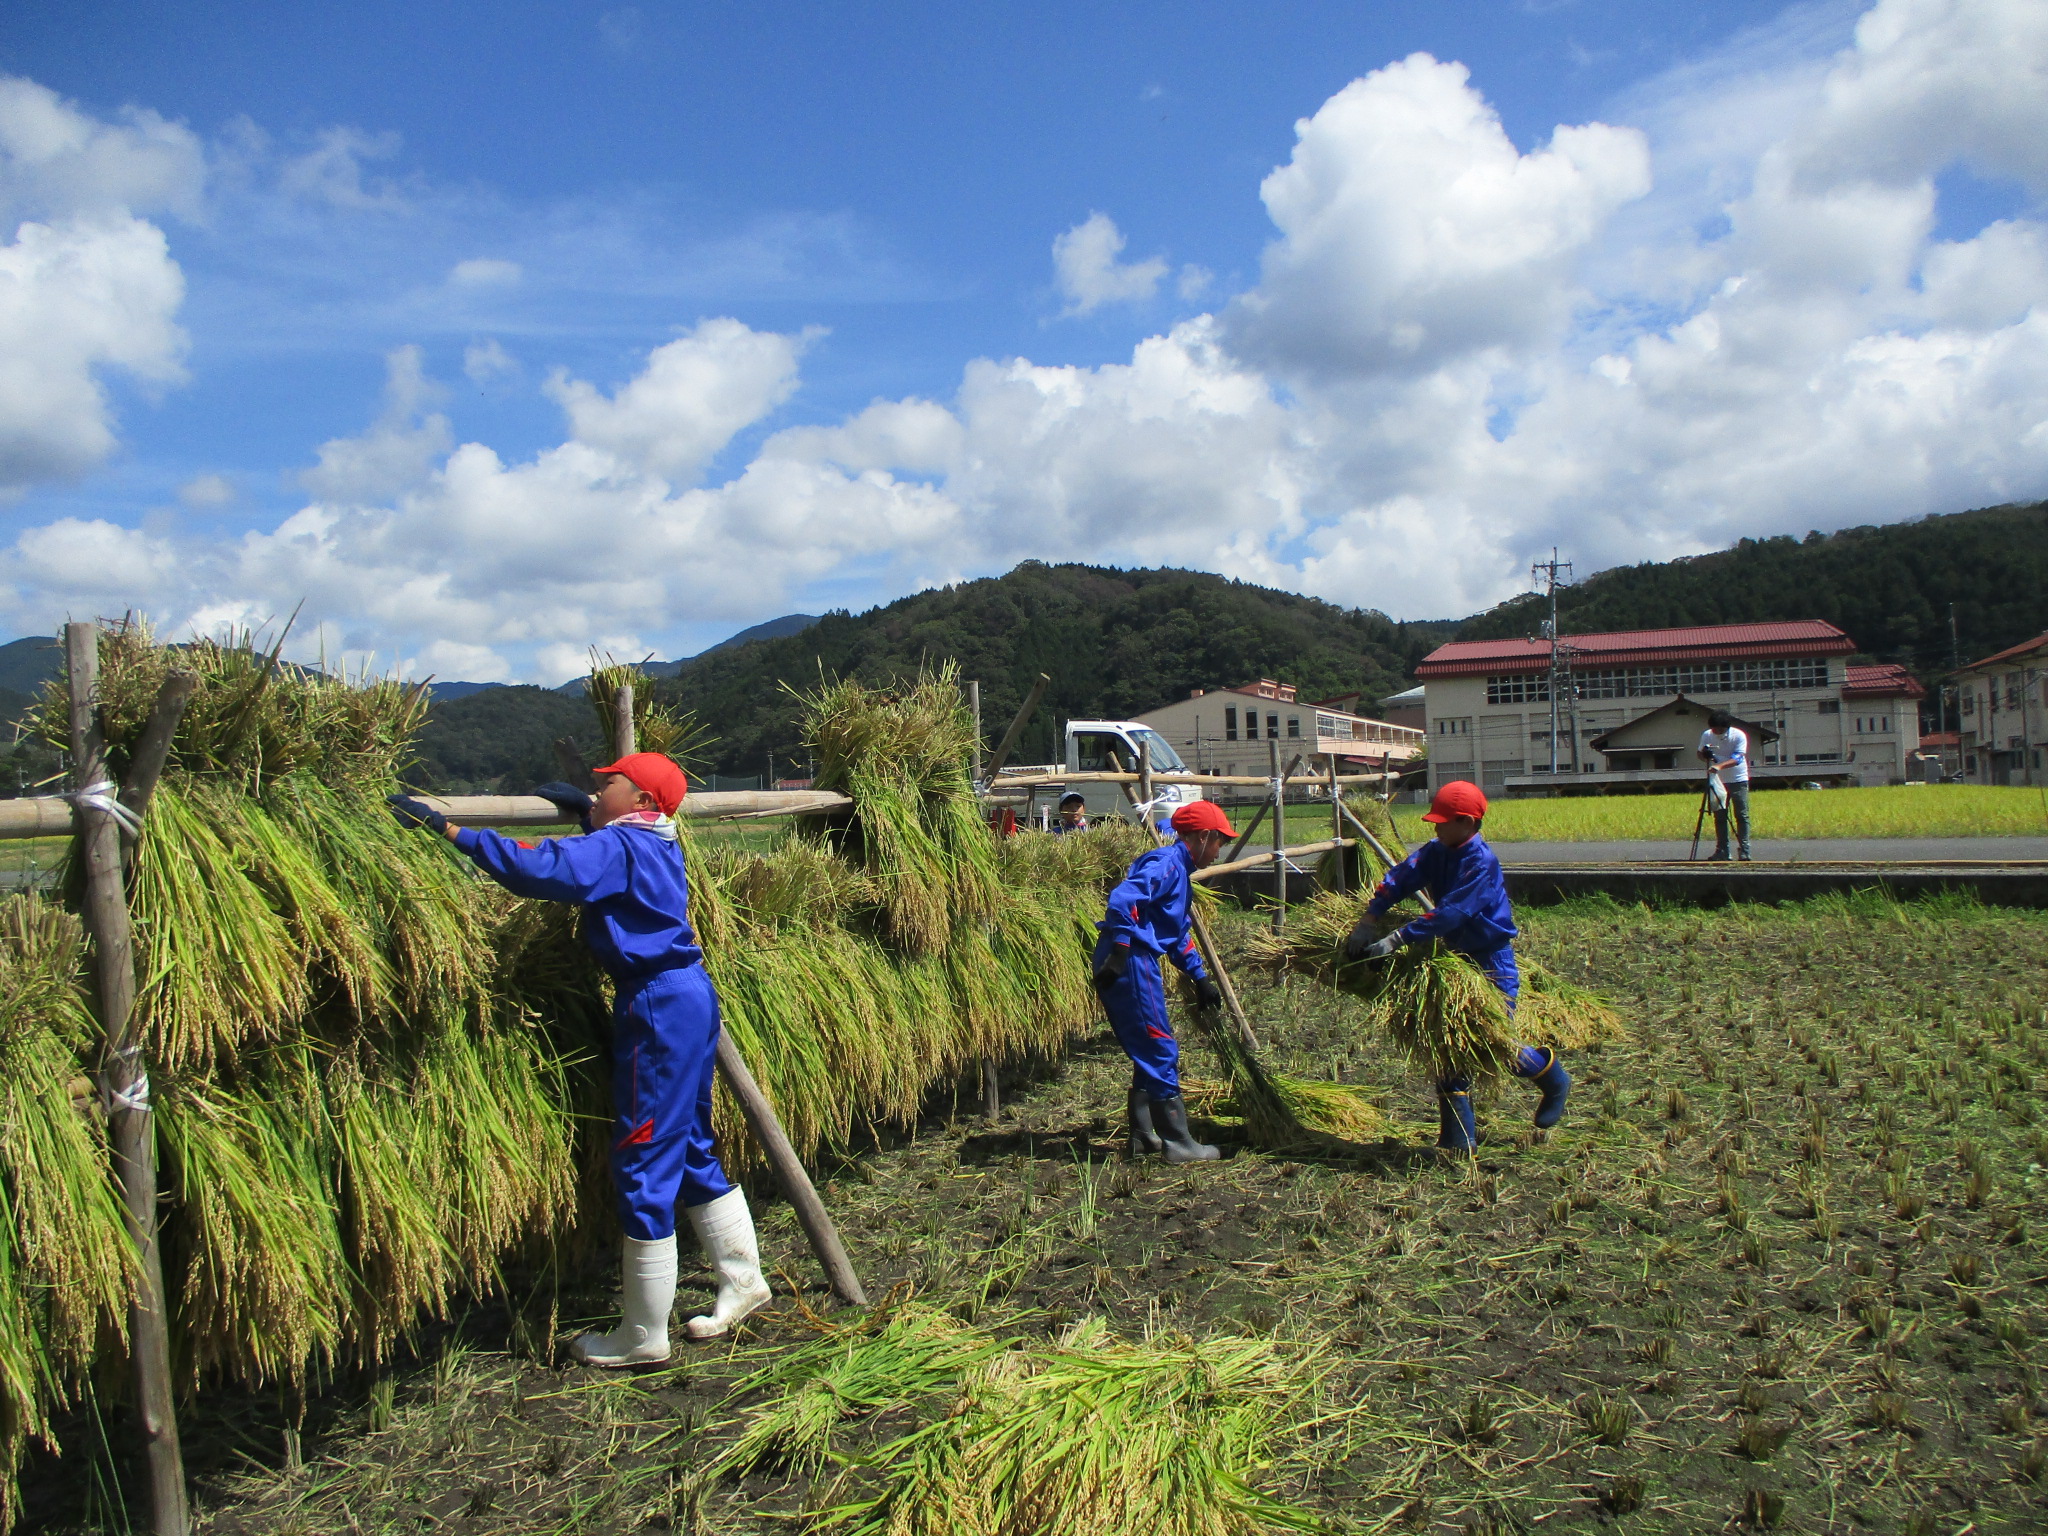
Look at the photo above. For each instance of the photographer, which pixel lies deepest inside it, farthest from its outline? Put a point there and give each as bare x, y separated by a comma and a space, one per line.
1724, 747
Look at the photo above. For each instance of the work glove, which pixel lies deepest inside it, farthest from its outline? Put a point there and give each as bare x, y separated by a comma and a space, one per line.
1361, 937
412, 812
1207, 993
1115, 961
574, 802
1372, 954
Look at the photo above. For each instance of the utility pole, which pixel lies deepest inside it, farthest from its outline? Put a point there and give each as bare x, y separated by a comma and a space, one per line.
1555, 573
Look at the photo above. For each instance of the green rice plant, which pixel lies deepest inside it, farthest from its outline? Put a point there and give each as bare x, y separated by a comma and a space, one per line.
1093, 1436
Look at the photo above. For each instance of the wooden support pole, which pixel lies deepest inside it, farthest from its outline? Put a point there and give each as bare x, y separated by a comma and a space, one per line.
124, 1079
624, 734
1145, 787
1342, 881
1224, 984
991, 1086
760, 1116
974, 709
1001, 754
1279, 841
1261, 860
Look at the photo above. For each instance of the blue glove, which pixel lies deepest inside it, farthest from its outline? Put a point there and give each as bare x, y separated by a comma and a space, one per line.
573, 801
413, 812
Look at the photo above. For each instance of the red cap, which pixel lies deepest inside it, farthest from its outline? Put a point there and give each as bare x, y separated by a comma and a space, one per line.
1460, 797
656, 774
1203, 816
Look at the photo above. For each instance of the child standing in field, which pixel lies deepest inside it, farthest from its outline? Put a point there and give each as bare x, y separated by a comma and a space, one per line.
1473, 916
1148, 919
627, 874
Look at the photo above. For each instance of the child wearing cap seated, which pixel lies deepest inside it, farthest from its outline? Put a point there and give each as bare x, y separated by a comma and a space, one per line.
1148, 913
627, 874
1474, 917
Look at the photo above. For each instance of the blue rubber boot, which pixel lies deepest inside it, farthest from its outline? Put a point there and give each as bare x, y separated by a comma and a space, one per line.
1457, 1131
1545, 1068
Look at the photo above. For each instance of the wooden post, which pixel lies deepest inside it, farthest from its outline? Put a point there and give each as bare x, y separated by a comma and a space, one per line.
1279, 841
1337, 824
1145, 786
991, 1085
759, 1114
623, 734
124, 1079
1030, 707
1224, 984
974, 709
789, 1172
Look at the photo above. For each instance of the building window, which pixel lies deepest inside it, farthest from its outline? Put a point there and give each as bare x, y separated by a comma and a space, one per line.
1294, 727
1969, 702
1816, 757
1705, 677
1448, 770
1528, 688
1459, 726
1829, 706
1272, 727
1230, 722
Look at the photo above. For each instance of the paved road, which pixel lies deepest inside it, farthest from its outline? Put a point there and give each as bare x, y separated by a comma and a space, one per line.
1789, 849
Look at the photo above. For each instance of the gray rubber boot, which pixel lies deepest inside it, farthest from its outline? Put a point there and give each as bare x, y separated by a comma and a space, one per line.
1170, 1117
1145, 1141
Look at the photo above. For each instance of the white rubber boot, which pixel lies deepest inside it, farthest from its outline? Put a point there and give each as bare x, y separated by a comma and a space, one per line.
647, 1275
725, 1229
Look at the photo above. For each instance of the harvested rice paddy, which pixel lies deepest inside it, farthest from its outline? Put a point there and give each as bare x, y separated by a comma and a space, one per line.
1784, 1265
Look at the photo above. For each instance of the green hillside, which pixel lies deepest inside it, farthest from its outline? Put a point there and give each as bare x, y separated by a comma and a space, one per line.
1114, 642
501, 740
1888, 588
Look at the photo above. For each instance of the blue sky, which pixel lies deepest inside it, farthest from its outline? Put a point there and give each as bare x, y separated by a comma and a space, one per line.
367, 306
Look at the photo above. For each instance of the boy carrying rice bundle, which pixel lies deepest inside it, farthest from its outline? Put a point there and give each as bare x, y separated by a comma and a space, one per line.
1473, 917
627, 874
1148, 913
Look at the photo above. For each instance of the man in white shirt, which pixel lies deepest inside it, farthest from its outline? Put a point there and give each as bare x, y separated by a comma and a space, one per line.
1725, 745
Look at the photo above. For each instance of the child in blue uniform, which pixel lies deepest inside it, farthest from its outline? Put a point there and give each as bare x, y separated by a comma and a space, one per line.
1474, 917
1148, 915
627, 874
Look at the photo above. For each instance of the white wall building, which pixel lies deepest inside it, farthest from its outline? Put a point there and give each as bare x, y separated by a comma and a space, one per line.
1631, 704
2005, 716
1225, 730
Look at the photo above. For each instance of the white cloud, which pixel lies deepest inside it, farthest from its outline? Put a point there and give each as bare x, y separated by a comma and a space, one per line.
1084, 261
78, 297
694, 395
453, 661
1414, 233
203, 493
486, 362
332, 171
399, 449
57, 160
485, 272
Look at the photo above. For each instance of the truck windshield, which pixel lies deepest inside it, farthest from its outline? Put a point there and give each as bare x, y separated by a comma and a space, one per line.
1164, 758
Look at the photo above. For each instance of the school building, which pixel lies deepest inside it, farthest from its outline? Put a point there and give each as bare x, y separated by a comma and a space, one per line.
1630, 706
2004, 726
1225, 730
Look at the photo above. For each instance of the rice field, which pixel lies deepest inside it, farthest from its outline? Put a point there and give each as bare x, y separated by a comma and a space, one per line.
1909, 810
1781, 1267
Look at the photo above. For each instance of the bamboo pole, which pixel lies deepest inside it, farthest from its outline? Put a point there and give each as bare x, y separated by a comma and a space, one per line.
991, 1085
1001, 755
760, 1114
1145, 790
623, 732
1342, 882
124, 1076
1240, 781
1260, 860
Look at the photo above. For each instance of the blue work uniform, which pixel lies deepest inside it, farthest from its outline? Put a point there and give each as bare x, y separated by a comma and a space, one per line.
1148, 914
1473, 915
635, 896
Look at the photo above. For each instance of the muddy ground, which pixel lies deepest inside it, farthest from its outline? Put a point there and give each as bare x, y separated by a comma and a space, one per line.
1785, 1264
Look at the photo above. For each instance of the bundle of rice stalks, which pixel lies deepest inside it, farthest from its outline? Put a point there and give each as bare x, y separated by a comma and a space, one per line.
1555, 1012
656, 727
1378, 818
1436, 1005
1280, 1112
1173, 1436
1073, 861
252, 718
902, 755
65, 1262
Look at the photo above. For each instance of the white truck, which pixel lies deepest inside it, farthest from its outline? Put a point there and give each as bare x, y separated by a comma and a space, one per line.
1090, 747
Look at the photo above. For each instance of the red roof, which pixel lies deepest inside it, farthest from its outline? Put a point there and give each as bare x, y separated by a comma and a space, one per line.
1886, 680
1942, 739
2035, 644
1641, 647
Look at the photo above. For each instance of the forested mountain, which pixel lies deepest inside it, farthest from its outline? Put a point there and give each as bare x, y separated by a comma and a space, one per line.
1114, 642
501, 740
1889, 588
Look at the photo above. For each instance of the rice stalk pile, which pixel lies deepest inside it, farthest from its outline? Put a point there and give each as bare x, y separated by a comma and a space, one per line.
656, 727
1095, 1435
1434, 1004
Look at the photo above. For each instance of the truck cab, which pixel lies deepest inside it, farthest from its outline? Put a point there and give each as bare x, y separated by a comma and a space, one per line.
1093, 744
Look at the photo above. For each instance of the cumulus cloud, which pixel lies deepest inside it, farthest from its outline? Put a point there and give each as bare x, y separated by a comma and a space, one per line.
695, 394
203, 493
1085, 265
485, 272
57, 160
486, 362
399, 449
